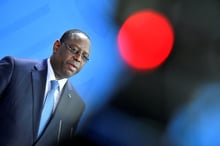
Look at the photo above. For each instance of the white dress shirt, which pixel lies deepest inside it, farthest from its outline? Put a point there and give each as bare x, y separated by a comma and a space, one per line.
51, 76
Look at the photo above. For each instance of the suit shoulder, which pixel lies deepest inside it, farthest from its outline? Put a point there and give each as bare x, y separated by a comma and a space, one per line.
15, 60
8, 59
19, 64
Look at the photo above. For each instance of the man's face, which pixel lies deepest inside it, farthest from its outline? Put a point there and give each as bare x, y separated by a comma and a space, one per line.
69, 57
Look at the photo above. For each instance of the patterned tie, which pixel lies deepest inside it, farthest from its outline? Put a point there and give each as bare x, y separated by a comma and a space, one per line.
48, 106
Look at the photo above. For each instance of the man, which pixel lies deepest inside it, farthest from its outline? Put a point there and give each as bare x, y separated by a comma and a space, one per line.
24, 85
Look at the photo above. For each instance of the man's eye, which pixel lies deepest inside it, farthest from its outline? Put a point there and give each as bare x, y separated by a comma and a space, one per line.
74, 50
85, 57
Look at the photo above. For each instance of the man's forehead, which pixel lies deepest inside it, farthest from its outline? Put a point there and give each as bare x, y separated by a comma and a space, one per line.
80, 40
78, 35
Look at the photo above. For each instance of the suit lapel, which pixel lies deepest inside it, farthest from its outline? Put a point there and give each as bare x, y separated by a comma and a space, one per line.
39, 75
68, 107
64, 118
65, 100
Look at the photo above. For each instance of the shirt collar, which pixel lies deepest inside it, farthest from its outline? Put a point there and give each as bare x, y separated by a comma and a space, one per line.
51, 75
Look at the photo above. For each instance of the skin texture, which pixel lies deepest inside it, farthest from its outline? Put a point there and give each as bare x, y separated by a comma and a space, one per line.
64, 63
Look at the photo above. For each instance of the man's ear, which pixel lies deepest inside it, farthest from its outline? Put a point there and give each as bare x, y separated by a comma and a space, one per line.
56, 46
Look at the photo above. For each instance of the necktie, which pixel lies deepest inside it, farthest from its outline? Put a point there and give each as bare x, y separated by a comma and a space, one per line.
48, 106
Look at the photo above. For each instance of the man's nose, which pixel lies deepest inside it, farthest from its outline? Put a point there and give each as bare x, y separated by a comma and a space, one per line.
78, 56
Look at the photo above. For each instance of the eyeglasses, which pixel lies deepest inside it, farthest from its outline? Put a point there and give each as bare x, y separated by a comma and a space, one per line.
77, 51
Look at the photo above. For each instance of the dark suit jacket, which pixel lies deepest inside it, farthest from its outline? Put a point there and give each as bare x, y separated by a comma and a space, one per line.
22, 86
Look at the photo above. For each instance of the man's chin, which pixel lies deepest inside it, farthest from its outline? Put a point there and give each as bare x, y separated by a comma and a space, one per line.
70, 73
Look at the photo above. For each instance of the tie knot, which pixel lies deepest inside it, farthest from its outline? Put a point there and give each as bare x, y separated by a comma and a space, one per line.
54, 84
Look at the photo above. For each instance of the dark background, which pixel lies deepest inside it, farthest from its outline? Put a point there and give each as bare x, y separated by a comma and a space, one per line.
150, 99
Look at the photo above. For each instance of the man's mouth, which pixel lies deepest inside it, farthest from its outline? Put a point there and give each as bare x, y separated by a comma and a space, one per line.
72, 67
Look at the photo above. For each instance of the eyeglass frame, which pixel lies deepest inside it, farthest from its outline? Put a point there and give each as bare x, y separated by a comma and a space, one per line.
77, 51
